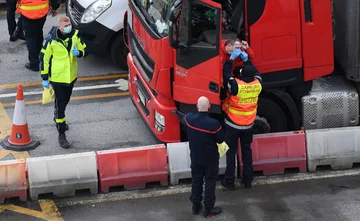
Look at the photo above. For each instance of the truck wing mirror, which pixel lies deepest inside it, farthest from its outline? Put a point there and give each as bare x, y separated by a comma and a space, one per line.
175, 11
173, 24
173, 37
177, 3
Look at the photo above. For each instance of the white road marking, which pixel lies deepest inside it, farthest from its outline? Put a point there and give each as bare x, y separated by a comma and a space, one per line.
119, 85
123, 83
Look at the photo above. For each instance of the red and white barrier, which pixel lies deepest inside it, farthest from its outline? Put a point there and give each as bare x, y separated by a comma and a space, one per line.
12, 180
132, 167
273, 153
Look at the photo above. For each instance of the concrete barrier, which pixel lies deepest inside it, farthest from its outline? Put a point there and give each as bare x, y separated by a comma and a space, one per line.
179, 162
132, 167
12, 180
62, 175
273, 153
337, 147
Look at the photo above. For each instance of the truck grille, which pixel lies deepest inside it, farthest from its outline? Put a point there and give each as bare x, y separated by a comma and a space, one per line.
332, 102
141, 59
75, 11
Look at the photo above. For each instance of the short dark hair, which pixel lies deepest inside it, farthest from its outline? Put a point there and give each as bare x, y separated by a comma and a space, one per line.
231, 41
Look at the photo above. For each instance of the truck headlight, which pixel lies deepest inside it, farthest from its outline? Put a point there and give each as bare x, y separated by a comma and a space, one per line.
95, 10
159, 122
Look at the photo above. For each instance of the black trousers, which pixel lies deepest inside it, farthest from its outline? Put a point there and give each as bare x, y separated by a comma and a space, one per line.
198, 172
246, 138
62, 98
34, 38
10, 17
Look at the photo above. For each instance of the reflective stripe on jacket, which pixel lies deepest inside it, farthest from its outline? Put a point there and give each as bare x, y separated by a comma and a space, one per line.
33, 9
241, 109
58, 64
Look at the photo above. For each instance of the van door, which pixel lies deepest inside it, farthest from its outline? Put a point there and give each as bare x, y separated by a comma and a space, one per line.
197, 70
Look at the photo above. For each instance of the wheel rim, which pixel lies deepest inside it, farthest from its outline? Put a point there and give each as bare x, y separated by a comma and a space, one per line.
261, 125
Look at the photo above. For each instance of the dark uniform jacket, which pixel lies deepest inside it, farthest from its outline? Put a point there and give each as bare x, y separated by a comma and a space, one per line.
203, 133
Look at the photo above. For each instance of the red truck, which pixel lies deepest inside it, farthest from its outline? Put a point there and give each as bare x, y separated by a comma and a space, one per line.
306, 50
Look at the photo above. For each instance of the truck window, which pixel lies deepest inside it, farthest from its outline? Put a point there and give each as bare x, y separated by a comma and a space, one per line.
194, 30
157, 14
199, 33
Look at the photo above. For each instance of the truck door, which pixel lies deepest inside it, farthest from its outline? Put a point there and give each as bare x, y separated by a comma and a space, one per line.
197, 70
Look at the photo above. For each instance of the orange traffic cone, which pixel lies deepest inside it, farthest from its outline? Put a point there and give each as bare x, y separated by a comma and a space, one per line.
19, 140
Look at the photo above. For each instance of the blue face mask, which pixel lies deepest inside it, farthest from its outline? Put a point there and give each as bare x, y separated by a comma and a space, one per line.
67, 30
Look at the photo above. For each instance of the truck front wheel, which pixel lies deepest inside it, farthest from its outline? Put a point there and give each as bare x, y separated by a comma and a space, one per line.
270, 117
119, 51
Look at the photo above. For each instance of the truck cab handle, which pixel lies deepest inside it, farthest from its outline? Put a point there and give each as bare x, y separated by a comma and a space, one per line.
213, 86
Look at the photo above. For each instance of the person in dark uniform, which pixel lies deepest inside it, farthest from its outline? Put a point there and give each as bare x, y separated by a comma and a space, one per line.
203, 134
15, 29
34, 14
240, 109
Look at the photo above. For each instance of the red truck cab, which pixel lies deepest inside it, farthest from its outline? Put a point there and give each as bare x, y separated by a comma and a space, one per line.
175, 57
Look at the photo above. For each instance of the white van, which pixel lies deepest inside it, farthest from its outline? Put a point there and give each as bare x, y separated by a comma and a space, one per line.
100, 23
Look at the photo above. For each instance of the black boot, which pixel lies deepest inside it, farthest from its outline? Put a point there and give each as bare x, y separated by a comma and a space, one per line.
227, 186
13, 38
247, 184
196, 207
30, 67
22, 37
63, 142
213, 212
17, 35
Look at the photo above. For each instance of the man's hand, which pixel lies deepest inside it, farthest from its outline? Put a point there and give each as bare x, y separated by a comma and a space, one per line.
244, 56
75, 51
244, 45
45, 83
235, 54
53, 12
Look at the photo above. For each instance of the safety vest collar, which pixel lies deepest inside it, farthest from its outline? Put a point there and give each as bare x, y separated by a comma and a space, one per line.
241, 82
55, 37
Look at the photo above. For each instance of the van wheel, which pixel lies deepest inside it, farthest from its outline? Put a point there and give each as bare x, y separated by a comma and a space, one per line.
270, 117
119, 52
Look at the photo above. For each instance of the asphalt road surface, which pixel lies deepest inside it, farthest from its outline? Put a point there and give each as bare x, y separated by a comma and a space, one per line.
335, 199
100, 115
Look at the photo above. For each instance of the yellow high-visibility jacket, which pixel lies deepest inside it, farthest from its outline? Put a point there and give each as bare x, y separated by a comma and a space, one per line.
57, 62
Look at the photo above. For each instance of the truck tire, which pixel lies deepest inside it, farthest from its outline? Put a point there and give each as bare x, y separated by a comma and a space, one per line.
270, 117
119, 51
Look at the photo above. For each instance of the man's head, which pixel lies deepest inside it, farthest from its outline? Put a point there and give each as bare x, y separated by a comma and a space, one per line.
248, 71
64, 24
237, 44
203, 104
229, 46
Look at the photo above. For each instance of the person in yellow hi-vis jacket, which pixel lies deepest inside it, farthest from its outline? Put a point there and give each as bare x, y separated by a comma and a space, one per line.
58, 58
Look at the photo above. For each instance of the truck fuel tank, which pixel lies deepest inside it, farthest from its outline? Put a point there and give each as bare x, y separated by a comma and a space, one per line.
332, 102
